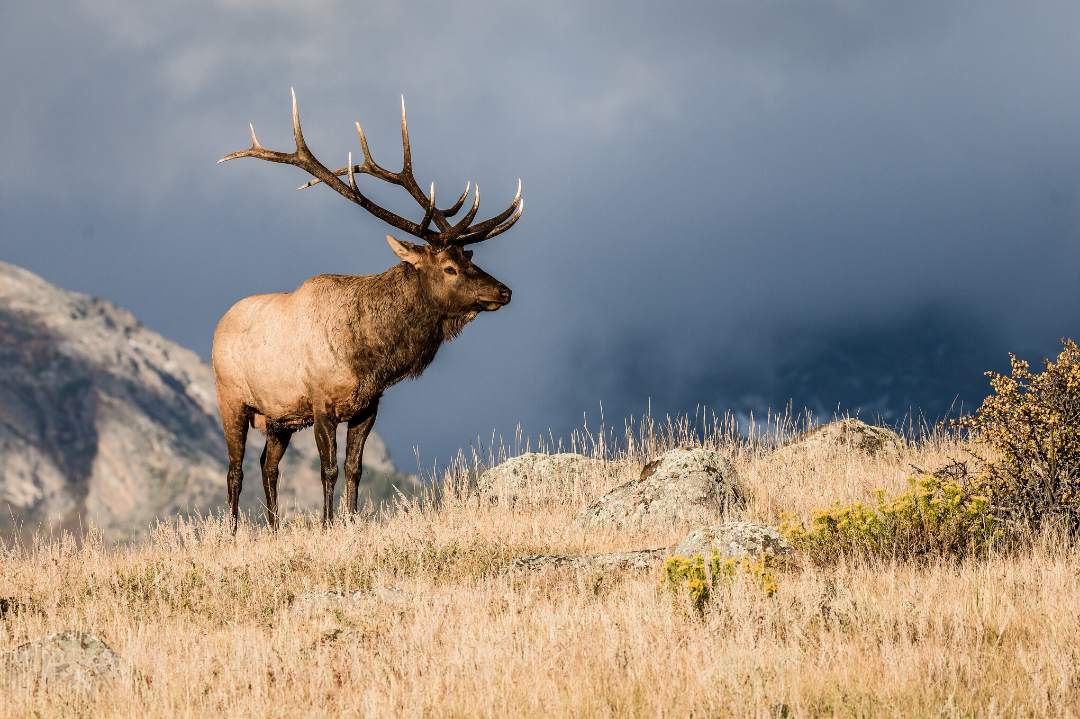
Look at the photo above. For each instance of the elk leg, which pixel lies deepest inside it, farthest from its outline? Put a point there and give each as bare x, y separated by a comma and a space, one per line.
276, 444
359, 428
326, 441
235, 425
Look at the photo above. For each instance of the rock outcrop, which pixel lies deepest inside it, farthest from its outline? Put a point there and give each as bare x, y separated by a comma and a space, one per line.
624, 561
847, 434
734, 540
103, 419
70, 660
681, 486
533, 476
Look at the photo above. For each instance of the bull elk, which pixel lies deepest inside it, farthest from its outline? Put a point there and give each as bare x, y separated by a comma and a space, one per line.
325, 353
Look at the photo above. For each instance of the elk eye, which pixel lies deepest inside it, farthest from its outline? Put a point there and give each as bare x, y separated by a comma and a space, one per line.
450, 270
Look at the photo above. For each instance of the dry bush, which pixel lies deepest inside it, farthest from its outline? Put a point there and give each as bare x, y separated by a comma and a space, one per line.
1032, 424
212, 625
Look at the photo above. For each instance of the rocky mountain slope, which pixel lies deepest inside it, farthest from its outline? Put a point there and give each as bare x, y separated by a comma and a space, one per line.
102, 419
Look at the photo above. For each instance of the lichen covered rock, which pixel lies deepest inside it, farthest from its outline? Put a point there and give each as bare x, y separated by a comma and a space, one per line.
734, 540
683, 485
847, 434
533, 476
624, 561
71, 660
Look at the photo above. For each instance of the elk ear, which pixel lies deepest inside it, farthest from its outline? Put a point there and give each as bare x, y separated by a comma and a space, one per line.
405, 250
468, 254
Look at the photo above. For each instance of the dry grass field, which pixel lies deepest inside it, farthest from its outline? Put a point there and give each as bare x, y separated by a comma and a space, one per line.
214, 625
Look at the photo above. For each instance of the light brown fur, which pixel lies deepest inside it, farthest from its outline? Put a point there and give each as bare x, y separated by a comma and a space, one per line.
324, 354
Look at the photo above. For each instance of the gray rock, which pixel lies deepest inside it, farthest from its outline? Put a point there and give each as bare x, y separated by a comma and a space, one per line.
734, 540
847, 434
683, 485
642, 559
320, 597
317, 602
71, 660
391, 595
532, 476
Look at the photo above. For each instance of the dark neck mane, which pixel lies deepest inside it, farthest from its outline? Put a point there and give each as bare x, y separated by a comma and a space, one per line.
407, 338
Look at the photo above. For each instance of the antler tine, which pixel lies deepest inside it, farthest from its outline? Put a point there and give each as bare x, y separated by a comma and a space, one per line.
430, 211
474, 237
482, 231
406, 166
297, 134
457, 205
463, 225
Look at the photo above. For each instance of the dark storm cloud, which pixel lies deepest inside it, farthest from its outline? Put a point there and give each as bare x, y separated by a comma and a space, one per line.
927, 365
737, 200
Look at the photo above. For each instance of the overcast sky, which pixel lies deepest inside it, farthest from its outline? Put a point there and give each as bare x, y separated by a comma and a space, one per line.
722, 198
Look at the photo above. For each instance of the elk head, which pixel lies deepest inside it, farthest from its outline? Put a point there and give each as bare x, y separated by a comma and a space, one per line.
450, 279
456, 285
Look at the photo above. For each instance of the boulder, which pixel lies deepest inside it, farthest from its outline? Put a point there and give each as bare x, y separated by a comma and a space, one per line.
532, 476
641, 559
847, 434
72, 660
735, 540
387, 595
683, 485
311, 603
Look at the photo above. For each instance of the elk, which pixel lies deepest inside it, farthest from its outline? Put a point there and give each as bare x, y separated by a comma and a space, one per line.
325, 353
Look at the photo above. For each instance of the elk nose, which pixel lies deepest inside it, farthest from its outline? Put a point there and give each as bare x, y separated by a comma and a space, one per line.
504, 293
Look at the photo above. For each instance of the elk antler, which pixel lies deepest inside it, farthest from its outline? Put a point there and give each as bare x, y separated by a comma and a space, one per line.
462, 233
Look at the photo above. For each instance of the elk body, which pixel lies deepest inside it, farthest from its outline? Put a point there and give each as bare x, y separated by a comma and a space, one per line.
324, 354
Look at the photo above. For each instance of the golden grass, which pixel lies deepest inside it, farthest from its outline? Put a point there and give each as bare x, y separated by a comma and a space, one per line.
211, 625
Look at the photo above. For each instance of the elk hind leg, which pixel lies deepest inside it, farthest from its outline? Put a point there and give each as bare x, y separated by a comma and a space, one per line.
235, 425
277, 441
359, 428
326, 441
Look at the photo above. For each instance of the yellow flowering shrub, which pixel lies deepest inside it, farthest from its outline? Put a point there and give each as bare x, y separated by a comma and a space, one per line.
936, 516
700, 582
1033, 423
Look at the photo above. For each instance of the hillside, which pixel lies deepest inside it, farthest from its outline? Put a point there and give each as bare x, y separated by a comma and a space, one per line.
102, 419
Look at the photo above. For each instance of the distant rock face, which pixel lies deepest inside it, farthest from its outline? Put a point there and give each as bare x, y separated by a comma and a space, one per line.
683, 485
103, 419
734, 540
72, 660
848, 434
533, 476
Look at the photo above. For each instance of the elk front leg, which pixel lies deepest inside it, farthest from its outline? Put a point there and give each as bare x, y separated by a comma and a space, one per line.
276, 444
326, 441
235, 425
359, 428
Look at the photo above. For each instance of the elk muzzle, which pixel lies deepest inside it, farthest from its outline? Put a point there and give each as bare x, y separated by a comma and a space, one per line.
501, 296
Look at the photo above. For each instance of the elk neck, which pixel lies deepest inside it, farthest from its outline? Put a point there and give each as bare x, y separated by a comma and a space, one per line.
398, 327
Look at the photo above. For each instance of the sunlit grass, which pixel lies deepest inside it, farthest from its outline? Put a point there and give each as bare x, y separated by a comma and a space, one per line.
211, 624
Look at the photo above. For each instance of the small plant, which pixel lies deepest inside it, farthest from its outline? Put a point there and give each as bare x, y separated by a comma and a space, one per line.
700, 582
684, 575
1033, 424
936, 516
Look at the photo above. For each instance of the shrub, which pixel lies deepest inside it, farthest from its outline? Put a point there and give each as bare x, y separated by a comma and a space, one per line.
1033, 425
690, 577
937, 516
